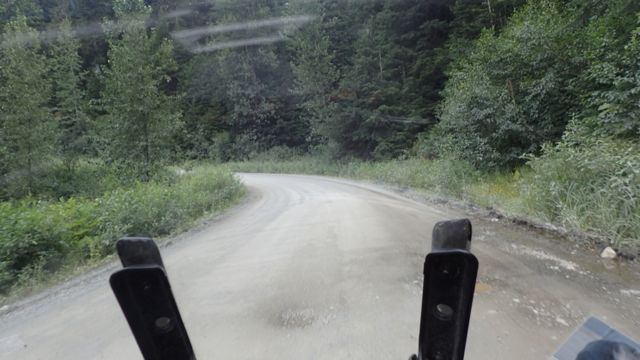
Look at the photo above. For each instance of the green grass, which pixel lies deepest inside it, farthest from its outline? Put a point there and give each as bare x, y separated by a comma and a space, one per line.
593, 187
556, 190
38, 238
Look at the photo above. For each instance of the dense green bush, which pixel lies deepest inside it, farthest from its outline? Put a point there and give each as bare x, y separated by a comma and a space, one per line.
38, 234
589, 183
611, 109
517, 89
84, 178
44, 235
512, 93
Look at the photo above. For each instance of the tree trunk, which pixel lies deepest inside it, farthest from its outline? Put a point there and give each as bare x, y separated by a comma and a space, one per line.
147, 153
380, 63
491, 13
29, 168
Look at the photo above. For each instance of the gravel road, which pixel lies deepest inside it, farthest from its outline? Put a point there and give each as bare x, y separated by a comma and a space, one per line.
321, 268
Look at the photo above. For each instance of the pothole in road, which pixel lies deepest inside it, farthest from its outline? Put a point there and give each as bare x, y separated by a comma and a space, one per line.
295, 319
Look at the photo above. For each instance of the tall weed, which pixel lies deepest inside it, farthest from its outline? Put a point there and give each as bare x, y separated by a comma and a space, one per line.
593, 185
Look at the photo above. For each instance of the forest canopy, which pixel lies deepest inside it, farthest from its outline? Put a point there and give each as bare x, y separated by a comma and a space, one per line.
142, 84
100, 94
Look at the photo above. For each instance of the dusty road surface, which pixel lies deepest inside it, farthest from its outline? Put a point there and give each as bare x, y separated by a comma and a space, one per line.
320, 268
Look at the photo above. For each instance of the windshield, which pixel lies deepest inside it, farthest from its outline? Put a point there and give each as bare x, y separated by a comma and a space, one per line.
291, 159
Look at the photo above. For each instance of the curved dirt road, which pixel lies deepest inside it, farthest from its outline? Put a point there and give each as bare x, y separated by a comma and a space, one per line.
320, 268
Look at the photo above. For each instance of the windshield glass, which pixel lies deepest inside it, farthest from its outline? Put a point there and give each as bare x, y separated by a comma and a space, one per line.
291, 159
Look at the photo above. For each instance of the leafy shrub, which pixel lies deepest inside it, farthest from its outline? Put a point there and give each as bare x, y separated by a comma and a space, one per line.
40, 233
611, 107
37, 236
512, 92
85, 178
158, 209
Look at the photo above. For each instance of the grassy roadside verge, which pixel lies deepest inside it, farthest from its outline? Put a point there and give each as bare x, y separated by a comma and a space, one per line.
40, 238
603, 217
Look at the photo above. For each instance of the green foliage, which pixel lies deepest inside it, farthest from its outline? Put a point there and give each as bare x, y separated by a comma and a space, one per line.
141, 118
240, 89
516, 90
30, 9
589, 183
89, 178
612, 108
472, 16
371, 100
159, 209
26, 127
316, 74
43, 236
39, 234
69, 104
512, 93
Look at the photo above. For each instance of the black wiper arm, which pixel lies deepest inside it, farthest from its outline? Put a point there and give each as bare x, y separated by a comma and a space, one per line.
144, 293
450, 272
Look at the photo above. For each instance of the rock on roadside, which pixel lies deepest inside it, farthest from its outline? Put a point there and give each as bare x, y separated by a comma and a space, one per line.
608, 253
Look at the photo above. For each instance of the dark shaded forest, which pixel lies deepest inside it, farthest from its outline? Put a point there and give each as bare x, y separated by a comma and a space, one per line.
142, 85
